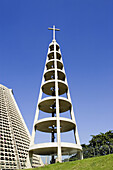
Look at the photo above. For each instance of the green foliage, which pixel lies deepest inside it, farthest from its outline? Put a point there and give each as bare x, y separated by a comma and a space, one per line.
101, 144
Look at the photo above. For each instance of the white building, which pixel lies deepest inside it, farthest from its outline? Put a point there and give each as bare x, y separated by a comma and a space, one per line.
14, 135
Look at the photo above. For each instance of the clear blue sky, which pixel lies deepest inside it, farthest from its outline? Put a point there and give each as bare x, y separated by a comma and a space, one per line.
86, 41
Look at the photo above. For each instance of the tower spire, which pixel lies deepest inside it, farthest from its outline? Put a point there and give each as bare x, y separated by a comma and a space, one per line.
54, 99
54, 29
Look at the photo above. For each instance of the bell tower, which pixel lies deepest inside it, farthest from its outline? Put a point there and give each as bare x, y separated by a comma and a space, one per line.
54, 85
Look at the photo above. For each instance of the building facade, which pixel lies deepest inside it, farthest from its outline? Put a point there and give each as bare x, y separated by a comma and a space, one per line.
14, 135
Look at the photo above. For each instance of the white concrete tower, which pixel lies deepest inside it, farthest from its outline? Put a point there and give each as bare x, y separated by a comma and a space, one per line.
56, 101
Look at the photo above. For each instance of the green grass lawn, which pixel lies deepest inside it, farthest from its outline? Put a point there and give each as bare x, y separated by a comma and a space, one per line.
96, 163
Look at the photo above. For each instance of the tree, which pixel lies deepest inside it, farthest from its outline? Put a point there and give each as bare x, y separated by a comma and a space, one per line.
101, 144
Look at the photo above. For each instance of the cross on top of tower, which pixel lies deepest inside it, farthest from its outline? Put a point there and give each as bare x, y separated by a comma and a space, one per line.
54, 29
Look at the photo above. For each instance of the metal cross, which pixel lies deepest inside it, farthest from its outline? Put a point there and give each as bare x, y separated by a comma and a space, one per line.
54, 29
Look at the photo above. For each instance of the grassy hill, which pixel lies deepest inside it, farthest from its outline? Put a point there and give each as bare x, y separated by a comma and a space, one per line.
96, 163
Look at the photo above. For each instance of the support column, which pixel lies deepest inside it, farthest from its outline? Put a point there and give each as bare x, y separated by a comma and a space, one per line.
30, 155
36, 118
37, 109
80, 155
52, 140
77, 140
57, 108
